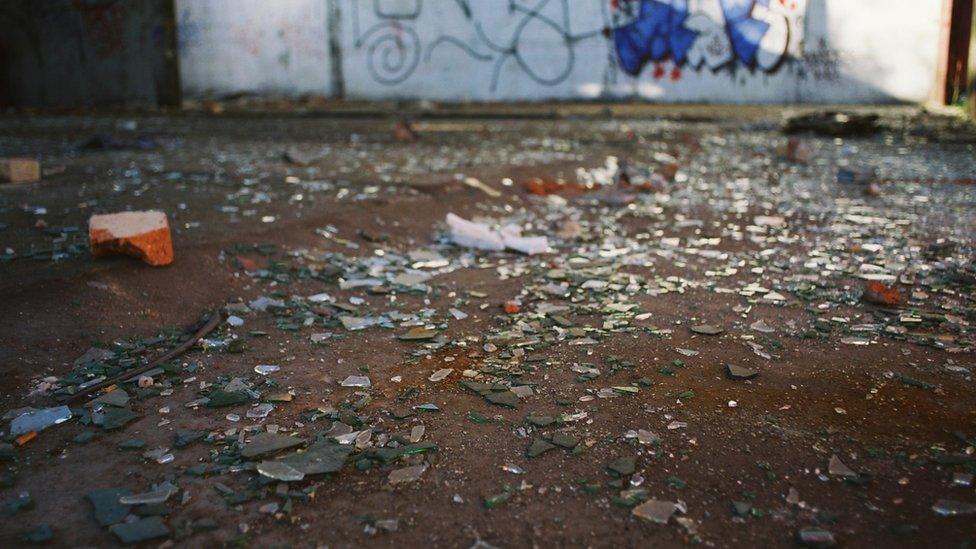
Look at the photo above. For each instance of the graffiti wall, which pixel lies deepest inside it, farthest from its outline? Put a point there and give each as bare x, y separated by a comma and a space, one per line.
667, 50
558, 48
663, 50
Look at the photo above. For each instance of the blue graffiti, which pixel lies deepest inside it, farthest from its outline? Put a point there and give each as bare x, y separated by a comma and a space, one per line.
658, 32
655, 34
744, 31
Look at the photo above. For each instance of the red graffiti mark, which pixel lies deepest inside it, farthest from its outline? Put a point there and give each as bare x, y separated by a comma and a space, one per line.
659, 71
246, 37
676, 74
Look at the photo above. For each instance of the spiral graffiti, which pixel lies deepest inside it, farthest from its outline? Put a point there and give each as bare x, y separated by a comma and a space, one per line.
393, 52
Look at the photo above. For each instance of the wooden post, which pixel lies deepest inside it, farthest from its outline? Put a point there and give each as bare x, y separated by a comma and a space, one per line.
972, 67
957, 55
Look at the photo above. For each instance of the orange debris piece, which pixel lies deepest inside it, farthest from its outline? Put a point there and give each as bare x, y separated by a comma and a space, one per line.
26, 437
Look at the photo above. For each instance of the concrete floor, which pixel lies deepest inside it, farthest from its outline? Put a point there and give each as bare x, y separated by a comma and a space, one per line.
773, 250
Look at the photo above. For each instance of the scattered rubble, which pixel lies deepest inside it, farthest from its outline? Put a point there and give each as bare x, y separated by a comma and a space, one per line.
833, 124
649, 345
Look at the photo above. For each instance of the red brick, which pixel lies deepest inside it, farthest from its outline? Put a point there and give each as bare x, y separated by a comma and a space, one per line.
19, 170
144, 235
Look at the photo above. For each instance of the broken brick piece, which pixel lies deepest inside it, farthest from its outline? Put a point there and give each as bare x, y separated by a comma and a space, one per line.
879, 294
404, 132
19, 170
247, 263
541, 187
139, 234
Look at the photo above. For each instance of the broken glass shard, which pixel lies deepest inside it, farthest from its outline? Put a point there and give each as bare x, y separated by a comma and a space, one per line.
656, 511
110, 418
38, 420
265, 369
762, 327
539, 447
159, 494
319, 458
707, 329
951, 508
623, 466
418, 334
267, 443
740, 372
356, 381
503, 398
280, 470
816, 537
260, 411
565, 440
220, 399
353, 323
836, 467
118, 398
406, 474
441, 374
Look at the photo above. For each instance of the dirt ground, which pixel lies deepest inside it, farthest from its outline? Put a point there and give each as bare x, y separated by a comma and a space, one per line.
733, 231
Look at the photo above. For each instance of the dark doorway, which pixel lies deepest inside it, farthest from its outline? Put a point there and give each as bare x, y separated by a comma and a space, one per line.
83, 53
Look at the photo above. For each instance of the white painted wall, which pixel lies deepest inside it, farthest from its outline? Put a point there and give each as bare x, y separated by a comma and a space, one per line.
887, 48
819, 51
263, 47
